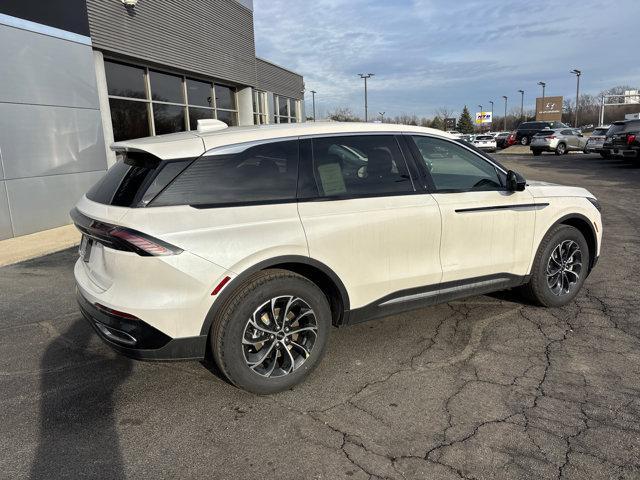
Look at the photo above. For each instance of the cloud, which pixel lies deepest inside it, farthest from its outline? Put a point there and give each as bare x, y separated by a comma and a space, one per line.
432, 53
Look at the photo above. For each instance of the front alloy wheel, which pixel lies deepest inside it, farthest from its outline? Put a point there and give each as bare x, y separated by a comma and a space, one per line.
564, 268
280, 336
559, 269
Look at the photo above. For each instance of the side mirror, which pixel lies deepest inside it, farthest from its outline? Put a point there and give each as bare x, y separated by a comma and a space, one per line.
515, 182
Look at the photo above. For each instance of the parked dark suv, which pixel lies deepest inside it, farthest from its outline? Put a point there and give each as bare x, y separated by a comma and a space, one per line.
623, 138
527, 130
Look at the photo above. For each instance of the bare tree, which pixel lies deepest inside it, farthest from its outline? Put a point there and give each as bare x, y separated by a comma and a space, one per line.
344, 114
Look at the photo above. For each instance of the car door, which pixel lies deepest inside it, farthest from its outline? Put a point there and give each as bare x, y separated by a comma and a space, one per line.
570, 139
373, 226
487, 231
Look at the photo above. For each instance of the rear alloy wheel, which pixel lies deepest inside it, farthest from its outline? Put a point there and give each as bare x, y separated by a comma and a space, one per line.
272, 331
561, 149
524, 140
559, 269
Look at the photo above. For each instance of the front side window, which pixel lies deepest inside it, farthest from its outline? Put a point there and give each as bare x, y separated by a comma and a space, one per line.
359, 165
260, 174
454, 168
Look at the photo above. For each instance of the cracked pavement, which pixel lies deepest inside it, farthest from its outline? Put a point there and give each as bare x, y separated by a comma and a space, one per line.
484, 388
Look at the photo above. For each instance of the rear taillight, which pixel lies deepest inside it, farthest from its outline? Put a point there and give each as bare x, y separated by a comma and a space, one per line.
121, 238
550, 137
630, 138
144, 244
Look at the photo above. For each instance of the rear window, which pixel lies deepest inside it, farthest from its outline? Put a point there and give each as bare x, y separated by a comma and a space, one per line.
632, 126
544, 133
134, 180
237, 175
484, 137
599, 131
615, 128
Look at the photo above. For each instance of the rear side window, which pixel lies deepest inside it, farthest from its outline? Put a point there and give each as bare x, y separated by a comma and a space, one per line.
359, 165
237, 175
134, 180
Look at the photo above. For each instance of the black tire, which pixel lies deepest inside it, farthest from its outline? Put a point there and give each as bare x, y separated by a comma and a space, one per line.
229, 329
536, 152
605, 154
561, 149
524, 140
538, 291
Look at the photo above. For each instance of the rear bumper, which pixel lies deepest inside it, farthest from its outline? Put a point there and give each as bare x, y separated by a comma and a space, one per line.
622, 150
137, 339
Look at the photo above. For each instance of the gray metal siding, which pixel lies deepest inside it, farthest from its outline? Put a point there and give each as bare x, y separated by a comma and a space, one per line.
273, 78
209, 37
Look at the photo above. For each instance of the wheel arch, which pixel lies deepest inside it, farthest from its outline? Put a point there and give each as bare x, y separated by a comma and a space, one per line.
584, 226
317, 272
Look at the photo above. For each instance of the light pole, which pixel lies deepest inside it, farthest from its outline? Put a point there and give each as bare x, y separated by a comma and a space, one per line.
543, 85
481, 117
313, 96
577, 73
366, 106
505, 111
381, 116
521, 105
491, 102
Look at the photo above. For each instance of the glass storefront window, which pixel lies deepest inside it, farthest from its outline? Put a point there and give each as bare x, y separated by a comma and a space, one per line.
168, 118
225, 97
130, 119
162, 107
165, 88
124, 80
286, 109
199, 93
230, 118
196, 114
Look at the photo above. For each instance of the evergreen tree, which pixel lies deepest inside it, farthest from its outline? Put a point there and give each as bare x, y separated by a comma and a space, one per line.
437, 122
465, 124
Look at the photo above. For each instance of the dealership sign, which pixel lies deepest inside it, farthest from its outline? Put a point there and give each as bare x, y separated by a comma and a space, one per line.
484, 117
549, 109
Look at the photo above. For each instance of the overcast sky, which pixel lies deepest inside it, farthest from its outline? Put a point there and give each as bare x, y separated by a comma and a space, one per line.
431, 53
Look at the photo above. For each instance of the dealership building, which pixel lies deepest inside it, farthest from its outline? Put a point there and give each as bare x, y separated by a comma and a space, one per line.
80, 74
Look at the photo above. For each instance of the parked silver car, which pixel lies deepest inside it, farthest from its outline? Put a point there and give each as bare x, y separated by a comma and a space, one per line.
596, 140
559, 140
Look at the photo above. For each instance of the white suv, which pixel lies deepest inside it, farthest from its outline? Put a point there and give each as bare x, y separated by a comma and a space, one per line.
251, 242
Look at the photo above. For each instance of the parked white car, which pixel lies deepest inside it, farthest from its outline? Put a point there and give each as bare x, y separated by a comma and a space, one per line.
251, 242
485, 142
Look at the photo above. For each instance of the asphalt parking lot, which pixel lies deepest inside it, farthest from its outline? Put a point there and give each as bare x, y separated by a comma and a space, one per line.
483, 388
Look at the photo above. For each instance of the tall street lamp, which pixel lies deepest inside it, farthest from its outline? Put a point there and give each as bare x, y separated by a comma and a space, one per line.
381, 116
505, 111
481, 117
543, 85
577, 73
521, 105
366, 106
491, 102
313, 96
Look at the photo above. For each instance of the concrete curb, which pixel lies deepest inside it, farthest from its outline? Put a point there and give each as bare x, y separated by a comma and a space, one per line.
14, 250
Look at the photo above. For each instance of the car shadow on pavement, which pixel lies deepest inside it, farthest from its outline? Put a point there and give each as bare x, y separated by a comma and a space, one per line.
78, 434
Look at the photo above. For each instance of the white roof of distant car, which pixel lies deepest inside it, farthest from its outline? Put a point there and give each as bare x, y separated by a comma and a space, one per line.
194, 143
